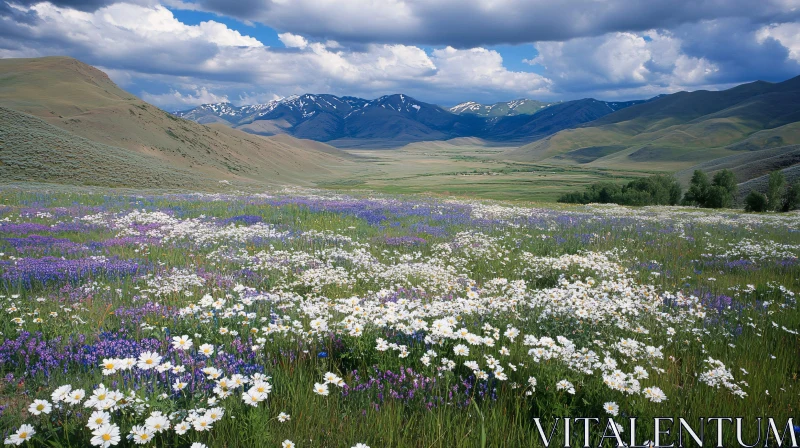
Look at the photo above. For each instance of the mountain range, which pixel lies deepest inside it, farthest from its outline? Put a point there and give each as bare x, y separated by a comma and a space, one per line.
396, 120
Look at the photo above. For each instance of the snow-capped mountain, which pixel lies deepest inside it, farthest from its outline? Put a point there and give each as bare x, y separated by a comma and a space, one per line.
399, 119
505, 109
298, 108
400, 103
226, 112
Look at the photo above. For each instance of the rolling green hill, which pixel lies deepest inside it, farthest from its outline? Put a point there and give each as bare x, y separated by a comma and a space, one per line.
683, 131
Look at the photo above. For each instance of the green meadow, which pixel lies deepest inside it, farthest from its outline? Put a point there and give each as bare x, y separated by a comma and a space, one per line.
302, 317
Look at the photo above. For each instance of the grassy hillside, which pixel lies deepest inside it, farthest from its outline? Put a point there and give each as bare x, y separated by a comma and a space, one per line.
85, 102
750, 164
524, 128
64, 121
680, 131
57, 87
33, 150
792, 174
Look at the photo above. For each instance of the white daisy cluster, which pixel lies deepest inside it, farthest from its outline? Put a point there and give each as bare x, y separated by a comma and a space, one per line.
720, 376
752, 250
105, 401
200, 231
328, 378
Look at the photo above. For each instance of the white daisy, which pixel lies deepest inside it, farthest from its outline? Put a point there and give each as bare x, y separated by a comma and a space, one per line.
39, 407
98, 419
105, 436
321, 389
148, 360
141, 435
612, 408
23, 434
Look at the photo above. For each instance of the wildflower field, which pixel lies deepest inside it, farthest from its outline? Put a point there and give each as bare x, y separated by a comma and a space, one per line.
307, 318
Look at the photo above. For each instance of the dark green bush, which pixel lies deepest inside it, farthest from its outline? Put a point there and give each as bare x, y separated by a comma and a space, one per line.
756, 202
719, 193
774, 189
698, 189
792, 199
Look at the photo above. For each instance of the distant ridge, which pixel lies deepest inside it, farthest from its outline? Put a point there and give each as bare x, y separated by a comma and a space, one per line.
522, 106
398, 119
752, 129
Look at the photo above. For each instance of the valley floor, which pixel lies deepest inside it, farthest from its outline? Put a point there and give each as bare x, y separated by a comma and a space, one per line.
443, 169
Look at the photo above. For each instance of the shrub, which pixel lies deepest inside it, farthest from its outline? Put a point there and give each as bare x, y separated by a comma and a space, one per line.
774, 190
718, 197
718, 194
726, 180
698, 189
792, 199
756, 202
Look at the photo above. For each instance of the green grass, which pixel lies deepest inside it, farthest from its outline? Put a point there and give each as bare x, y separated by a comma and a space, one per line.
470, 172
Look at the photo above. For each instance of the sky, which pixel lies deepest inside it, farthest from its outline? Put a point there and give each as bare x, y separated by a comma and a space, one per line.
181, 53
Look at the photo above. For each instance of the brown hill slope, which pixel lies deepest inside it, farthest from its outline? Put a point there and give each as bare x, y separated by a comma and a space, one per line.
83, 101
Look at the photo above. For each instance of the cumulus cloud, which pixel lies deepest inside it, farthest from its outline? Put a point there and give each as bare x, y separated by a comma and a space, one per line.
293, 40
480, 68
149, 43
127, 24
788, 34
200, 95
370, 48
623, 62
472, 23
740, 49
84, 5
121, 36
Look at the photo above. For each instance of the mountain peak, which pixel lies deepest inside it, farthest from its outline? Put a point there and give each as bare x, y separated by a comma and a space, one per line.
521, 106
399, 102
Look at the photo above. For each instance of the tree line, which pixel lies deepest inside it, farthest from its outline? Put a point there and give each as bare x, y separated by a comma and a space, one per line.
716, 192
